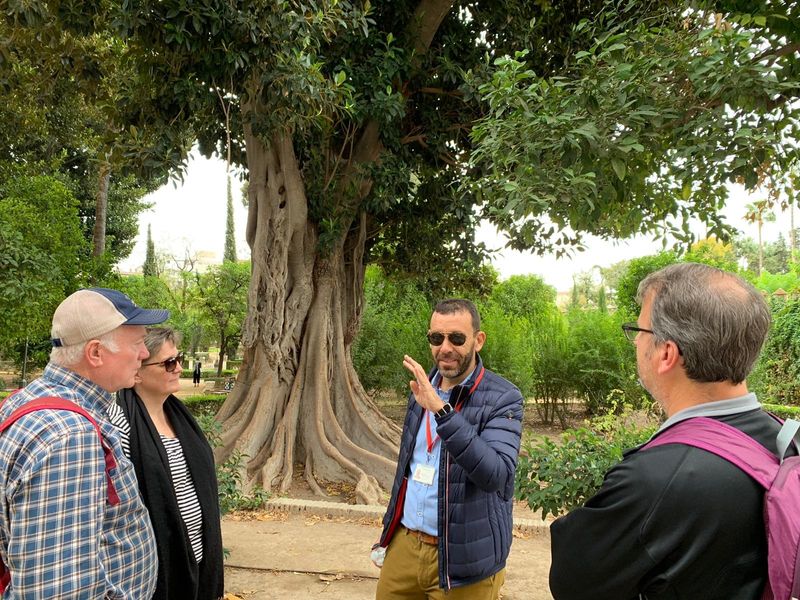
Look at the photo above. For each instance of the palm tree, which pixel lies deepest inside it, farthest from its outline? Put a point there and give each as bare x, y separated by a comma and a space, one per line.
760, 212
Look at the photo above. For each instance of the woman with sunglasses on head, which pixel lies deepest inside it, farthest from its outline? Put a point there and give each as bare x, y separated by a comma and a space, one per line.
175, 468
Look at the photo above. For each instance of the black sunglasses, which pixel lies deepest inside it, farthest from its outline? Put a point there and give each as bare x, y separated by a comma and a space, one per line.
436, 338
170, 364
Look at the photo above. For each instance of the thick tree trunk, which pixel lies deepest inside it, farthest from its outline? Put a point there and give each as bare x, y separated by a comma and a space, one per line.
297, 398
100, 211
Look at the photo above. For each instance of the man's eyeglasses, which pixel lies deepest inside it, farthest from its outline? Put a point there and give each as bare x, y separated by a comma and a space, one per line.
631, 330
169, 364
436, 338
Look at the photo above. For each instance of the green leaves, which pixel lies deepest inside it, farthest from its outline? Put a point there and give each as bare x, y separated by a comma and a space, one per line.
619, 168
557, 477
42, 256
641, 133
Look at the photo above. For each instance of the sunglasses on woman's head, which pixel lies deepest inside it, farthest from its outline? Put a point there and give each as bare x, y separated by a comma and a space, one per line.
436, 338
169, 364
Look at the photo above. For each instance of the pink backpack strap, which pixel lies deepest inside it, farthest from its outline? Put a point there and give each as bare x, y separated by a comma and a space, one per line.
54, 403
725, 441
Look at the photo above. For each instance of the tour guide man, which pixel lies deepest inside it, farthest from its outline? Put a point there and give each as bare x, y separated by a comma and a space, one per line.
447, 529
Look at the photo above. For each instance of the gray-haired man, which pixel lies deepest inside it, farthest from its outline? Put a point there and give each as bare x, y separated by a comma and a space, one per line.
675, 521
71, 521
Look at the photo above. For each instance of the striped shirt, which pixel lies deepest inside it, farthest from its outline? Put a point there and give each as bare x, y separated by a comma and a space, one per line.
185, 494
58, 535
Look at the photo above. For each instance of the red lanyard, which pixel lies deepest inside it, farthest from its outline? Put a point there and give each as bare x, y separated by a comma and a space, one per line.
428, 435
431, 441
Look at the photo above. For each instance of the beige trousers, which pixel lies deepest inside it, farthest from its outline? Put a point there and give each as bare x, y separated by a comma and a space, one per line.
411, 572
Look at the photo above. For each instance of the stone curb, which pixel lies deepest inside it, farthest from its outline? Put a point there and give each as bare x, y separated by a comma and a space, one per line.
324, 508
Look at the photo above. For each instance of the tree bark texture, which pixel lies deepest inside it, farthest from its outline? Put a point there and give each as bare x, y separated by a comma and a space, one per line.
297, 399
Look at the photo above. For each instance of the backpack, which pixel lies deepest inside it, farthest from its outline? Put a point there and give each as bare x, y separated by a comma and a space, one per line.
53, 403
779, 476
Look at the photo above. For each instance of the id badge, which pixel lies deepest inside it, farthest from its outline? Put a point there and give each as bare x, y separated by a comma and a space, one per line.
424, 474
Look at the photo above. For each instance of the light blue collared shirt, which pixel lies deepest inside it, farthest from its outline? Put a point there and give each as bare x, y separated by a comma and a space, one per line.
421, 508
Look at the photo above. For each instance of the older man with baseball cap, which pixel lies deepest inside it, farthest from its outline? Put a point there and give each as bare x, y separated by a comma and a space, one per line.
71, 521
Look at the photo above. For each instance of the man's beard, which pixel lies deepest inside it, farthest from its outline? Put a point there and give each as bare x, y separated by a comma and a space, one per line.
463, 363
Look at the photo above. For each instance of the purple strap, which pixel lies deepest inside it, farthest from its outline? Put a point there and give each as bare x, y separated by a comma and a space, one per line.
725, 441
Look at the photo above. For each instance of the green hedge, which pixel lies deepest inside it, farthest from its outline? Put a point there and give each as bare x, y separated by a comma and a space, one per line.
204, 404
784, 412
208, 373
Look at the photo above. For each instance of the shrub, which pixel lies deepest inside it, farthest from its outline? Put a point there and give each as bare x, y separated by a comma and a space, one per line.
230, 474
508, 350
556, 477
603, 360
551, 366
776, 375
204, 404
394, 323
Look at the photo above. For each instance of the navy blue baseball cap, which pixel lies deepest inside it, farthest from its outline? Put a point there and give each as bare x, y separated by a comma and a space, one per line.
93, 312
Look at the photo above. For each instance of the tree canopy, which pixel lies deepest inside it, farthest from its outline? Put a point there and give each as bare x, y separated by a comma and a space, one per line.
644, 126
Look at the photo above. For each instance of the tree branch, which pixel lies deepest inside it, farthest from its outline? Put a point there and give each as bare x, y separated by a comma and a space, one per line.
427, 18
775, 54
440, 91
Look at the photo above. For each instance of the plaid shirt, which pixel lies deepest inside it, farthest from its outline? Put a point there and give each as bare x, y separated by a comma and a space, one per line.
59, 536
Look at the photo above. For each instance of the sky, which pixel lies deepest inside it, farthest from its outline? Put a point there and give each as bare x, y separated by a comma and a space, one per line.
190, 216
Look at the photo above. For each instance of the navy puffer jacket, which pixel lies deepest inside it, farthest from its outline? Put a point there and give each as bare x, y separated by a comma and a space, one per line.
480, 445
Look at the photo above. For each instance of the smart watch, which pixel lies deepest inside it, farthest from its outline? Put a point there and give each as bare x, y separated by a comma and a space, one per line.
445, 410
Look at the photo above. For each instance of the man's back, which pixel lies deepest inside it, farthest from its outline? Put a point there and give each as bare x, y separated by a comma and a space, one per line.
669, 522
62, 538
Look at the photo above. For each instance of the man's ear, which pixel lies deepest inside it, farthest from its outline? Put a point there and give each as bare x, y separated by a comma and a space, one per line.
669, 357
480, 340
92, 352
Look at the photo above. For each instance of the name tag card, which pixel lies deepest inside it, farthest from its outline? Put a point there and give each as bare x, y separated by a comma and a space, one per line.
424, 474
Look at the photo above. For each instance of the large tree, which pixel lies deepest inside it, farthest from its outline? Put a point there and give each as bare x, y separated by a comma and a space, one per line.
354, 125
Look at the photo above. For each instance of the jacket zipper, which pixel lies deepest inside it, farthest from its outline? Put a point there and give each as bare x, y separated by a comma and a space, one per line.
447, 521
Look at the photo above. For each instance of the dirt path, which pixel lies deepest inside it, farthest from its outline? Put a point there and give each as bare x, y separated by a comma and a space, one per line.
297, 557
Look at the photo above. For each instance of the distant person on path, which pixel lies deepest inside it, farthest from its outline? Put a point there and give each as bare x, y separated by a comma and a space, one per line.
198, 371
63, 534
675, 521
175, 469
447, 530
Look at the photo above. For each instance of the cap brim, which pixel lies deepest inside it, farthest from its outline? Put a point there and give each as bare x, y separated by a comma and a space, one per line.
148, 316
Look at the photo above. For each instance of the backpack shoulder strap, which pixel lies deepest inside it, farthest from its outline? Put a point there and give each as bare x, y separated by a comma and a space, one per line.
54, 403
786, 436
726, 442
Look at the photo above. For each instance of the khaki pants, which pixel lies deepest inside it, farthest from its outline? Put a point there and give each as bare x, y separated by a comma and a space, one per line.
411, 572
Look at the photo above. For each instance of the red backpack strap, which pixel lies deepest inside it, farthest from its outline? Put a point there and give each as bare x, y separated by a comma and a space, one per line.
54, 403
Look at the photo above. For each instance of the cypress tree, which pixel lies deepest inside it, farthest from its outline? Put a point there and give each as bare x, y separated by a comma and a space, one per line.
230, 241
150, 268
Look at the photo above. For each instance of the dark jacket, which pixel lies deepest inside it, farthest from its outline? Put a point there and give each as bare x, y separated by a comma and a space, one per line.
671, 522
180, 577
480, 445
